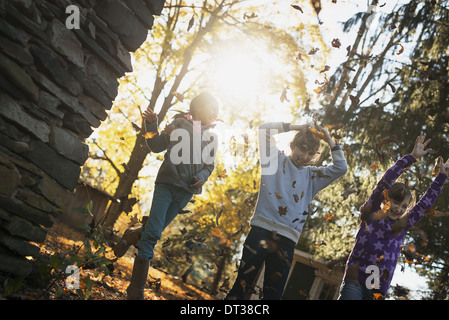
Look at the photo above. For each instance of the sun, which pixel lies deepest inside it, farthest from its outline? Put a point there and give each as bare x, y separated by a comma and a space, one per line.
238, 72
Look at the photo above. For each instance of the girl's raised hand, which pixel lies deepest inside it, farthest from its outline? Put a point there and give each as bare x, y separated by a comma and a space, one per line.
444, 166
149, 115
419, 149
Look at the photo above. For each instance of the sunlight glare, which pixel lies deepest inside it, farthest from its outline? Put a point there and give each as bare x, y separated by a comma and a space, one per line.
237, 72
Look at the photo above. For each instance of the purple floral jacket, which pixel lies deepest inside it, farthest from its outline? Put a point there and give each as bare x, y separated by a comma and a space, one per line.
375, 244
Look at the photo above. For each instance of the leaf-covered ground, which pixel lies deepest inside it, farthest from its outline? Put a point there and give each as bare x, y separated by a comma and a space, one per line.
160, 285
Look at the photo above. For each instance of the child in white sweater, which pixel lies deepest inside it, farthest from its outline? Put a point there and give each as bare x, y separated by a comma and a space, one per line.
287, 187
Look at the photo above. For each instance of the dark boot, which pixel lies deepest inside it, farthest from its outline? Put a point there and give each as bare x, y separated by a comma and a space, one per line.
138, 279
130, 237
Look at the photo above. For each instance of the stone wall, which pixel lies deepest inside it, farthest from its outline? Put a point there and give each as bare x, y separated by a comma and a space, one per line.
56, 84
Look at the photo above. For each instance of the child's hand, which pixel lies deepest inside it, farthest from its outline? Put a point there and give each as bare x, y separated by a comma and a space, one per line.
327, 136
149, 115
444, 167
420, 145
168, 129
196, 183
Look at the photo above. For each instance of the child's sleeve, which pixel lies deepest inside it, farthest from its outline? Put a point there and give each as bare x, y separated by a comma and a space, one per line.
375, 199
324, 176
209, 154
427, 201
159, 142
268, 150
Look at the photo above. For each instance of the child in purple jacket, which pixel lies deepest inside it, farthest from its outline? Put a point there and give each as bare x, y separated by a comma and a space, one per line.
376, 250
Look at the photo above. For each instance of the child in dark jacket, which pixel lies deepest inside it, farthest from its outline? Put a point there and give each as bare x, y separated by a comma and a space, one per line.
188, 163
377, 246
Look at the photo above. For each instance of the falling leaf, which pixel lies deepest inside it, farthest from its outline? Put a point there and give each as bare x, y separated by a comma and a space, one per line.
393, 89
191, 22
348, 192
150, 135
374, 166
354, 100
316, 4
251, 268
318, 134
218, 216
297, 7
278, 195
284, 95
436, 167
347, 149
250, 249
282, 210
295, 197
179, 96
313, 51
326, 68
302, 194
377, 296
222, 174
320, 174
249, 16
135, 127
401, 49
336, 43
166, 243
329, 216
293, 184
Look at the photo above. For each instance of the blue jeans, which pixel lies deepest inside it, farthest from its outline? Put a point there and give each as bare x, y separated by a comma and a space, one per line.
263, 246
167, 201
351, 291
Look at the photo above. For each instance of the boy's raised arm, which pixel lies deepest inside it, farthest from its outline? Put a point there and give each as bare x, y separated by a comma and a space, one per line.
158, 142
